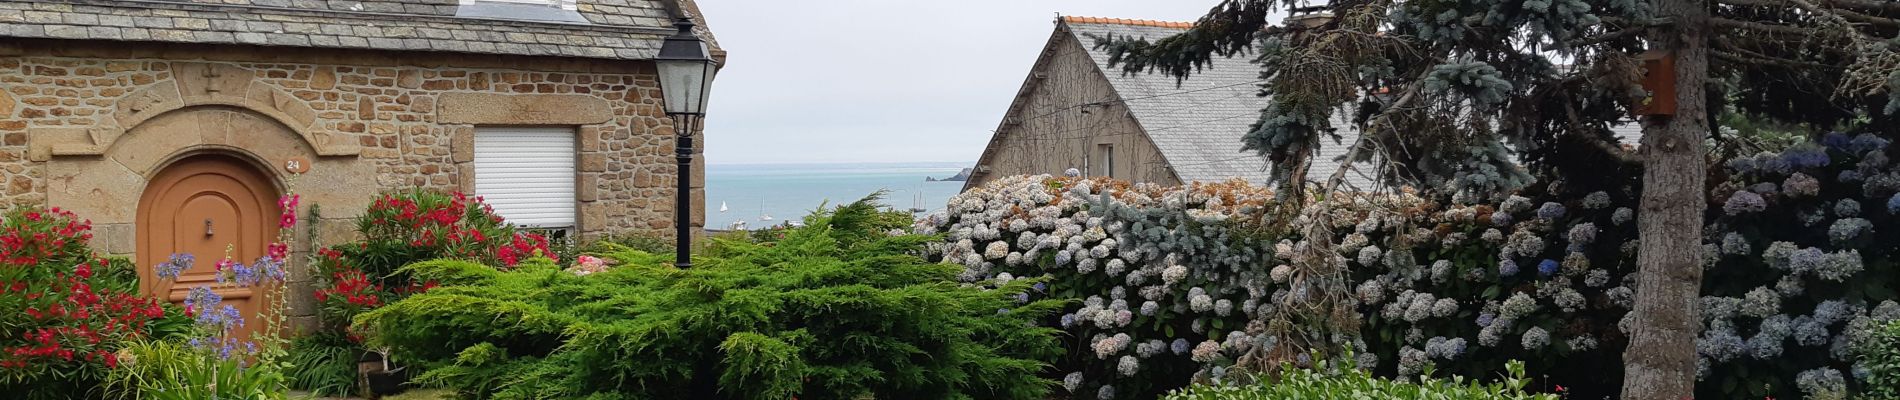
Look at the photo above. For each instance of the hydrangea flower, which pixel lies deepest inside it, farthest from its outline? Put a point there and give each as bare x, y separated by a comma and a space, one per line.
1790, 286
1763, 347
1743, 202
1550, 211
1801, 185
1720, 343
1809, 332
1846, 208
1412, 361
1547, 267
1517, 306
1280, 273
1111, 345
1596, 200
1848, 229
1535, 338
1822, 383
1128, 366
1761, 303
1206, 351
1581, 343
1831, 311
1734, 244
1072, 381
1568, 299
1507, 267
1622, 215
996, 250
1838, 266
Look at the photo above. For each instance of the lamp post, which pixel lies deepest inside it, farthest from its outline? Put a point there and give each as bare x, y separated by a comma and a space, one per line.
686, 74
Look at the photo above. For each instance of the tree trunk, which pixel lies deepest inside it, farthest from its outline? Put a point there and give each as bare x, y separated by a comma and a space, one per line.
1660, 363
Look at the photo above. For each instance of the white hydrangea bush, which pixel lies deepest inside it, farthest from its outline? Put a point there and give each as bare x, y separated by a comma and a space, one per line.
1167, 277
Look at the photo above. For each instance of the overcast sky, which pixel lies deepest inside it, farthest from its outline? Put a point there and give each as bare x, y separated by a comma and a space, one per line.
881, 80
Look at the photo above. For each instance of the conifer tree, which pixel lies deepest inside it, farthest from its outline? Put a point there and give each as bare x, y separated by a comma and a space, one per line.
1471, 99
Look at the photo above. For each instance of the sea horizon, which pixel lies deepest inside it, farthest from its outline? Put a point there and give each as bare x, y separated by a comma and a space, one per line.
767, 194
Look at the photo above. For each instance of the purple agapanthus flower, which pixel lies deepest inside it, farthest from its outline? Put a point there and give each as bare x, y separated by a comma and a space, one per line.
179, 262
202, 297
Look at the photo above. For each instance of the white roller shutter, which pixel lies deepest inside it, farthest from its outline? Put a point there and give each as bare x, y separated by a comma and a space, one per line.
527, 174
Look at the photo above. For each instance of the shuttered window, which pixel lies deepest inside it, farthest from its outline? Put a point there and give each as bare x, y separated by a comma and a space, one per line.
527, 174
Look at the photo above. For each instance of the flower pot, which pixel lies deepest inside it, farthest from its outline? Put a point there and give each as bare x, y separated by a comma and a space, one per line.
376, 377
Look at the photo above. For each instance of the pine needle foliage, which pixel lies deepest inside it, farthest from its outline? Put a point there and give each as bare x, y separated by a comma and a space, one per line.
838, 309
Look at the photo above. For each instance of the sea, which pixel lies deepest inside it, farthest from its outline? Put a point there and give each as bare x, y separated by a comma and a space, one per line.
788, 192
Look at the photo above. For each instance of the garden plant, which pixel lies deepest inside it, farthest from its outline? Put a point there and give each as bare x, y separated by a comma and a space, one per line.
69, 311
397, 229
838, 309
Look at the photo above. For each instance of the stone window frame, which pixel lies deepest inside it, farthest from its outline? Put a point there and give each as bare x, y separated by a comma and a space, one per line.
587, 115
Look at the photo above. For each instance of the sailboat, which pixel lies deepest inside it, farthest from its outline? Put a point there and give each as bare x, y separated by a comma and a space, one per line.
722, 206
917, 206
762, 215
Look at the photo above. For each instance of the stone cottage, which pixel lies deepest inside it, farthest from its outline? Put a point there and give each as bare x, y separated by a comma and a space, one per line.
174, 125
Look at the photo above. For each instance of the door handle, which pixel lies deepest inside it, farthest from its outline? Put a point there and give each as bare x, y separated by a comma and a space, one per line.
208, 231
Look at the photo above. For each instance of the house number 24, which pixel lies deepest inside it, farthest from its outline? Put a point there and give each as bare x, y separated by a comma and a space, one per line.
297, 165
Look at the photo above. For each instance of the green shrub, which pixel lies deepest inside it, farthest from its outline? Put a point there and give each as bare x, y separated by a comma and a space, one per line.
1347, 381
169, 370
647, 243
323, 364
835, 310
1880, 356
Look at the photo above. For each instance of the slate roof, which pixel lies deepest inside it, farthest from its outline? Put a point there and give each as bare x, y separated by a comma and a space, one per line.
1198, 123
608, 29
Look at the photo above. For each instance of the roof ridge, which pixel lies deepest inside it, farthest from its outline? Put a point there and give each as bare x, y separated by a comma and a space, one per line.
1126, 21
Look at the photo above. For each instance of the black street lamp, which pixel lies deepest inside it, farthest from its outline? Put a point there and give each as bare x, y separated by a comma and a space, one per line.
686, 74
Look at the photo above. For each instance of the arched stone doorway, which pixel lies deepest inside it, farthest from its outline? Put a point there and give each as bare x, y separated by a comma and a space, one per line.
208, 205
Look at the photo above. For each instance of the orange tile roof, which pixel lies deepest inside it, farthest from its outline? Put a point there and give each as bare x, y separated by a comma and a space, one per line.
1125, 21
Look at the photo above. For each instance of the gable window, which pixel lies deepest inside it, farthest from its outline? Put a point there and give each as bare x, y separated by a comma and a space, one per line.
527, 174
563, 4
1105, 153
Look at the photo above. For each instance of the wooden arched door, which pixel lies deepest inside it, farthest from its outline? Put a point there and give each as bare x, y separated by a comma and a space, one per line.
203, 205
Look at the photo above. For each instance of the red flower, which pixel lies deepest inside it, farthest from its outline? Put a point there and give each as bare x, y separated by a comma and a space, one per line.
279, 250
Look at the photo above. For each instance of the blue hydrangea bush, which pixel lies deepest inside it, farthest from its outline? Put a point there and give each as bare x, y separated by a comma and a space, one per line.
1182, 283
